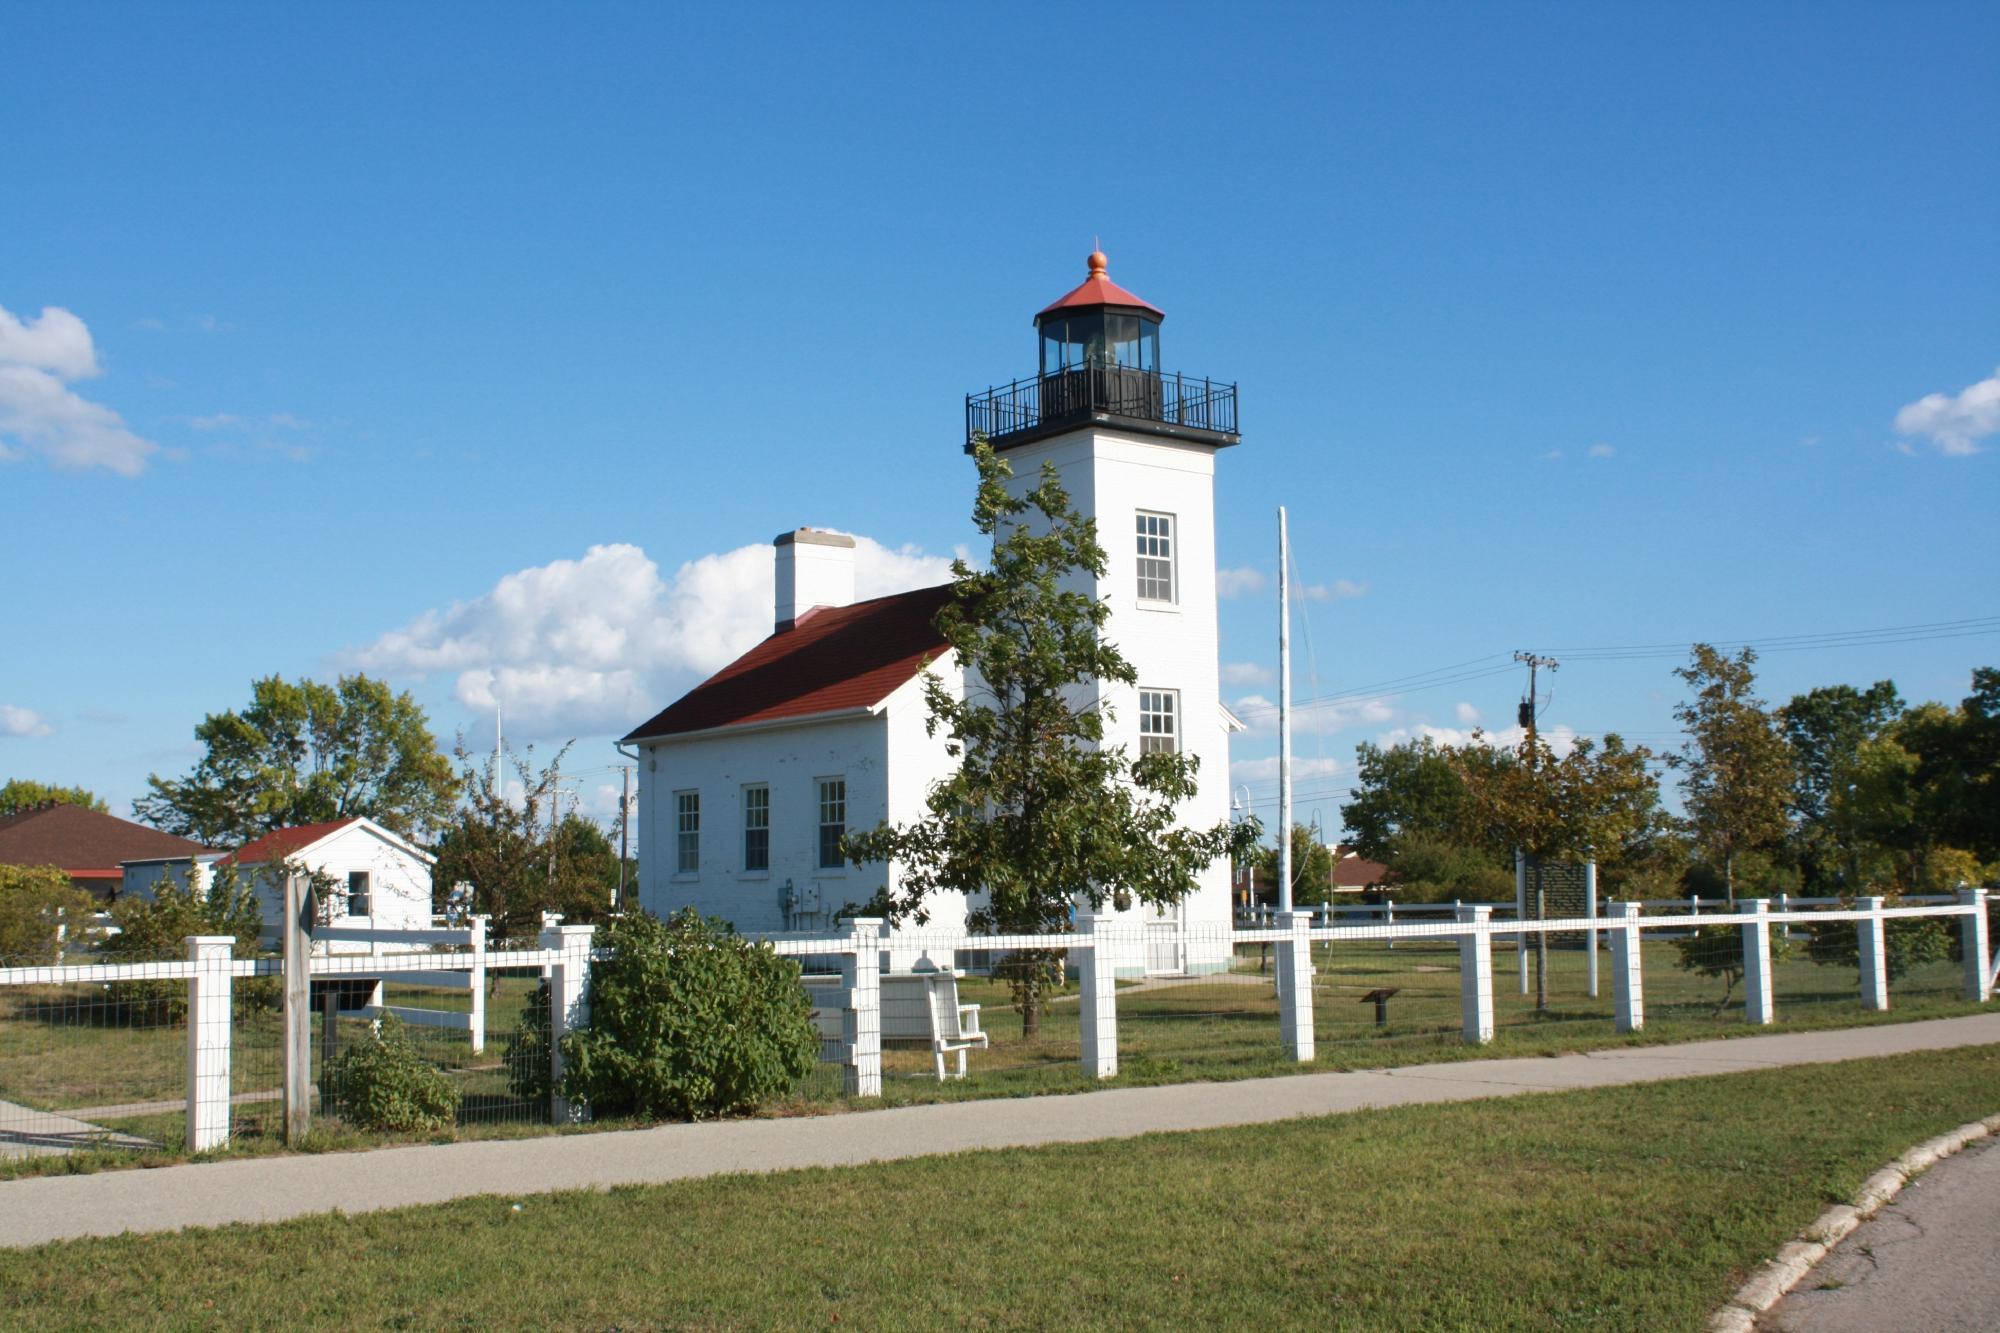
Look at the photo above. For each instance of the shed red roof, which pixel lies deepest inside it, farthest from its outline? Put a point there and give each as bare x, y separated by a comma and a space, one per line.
281, 843
837, 658
83, 841
1099, 289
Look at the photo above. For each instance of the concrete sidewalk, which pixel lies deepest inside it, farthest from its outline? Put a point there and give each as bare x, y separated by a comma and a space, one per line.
269, 1189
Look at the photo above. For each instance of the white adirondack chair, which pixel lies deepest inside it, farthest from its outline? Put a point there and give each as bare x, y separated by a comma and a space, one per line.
954, 1026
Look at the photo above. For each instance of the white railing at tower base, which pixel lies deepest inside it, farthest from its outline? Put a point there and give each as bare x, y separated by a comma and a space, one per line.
1093, 950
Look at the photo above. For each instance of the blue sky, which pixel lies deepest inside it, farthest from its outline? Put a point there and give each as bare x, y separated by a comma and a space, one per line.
446, 340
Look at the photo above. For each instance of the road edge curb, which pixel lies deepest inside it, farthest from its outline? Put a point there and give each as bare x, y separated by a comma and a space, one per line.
1796, 1260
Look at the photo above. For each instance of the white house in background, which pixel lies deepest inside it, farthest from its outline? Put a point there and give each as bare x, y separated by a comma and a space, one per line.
380, 879
748, 781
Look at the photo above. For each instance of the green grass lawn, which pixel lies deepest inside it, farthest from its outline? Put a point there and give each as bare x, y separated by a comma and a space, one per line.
1621, 1208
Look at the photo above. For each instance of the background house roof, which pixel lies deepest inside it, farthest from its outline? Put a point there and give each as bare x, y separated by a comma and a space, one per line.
83, 842
835, 659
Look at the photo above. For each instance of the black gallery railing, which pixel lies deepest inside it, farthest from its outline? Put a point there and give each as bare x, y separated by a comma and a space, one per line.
1079, 394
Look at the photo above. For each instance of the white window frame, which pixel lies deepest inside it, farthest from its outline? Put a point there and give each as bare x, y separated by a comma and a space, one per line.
687, 833
1154, 706
366, 895
1158, 542
749, 827
822, 804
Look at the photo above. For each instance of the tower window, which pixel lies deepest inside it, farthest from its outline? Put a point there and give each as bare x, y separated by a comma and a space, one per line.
757, 828
832, 821
687, 832
1159, 727
1156, 557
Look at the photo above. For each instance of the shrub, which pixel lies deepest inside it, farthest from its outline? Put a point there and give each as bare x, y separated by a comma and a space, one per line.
384, 1083
41, 914
527, 1052
1717, 951
688, 1020
1907, 942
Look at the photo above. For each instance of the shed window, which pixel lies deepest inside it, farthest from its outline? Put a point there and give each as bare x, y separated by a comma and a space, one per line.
360, 902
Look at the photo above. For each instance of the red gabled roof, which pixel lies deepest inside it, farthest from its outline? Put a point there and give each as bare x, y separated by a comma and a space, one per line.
281, 843
75, 838
837, 658
1099, 289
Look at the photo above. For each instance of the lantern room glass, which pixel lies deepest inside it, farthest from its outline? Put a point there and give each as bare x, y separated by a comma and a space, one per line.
1100, 338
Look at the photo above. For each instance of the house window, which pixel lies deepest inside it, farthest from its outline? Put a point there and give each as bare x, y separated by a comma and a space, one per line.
1156, 557
358, 901
757, 828
687, 832
1159, 728
832, 820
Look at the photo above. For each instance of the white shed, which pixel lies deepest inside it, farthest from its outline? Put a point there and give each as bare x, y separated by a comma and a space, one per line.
382, 880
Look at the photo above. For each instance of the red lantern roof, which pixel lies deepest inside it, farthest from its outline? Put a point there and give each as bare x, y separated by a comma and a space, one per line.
1098, 289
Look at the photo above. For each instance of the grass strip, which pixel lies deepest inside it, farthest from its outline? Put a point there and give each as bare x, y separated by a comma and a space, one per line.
1635, 1207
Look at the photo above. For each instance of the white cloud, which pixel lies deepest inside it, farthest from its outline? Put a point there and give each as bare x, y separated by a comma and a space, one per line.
1955, 422
1266, 769
1601, 451
39, 413
1247, 673
1467, 714
1338, 590
22, 722
598, 644
1560, 738
1238, 582
1312, 717
1552, 455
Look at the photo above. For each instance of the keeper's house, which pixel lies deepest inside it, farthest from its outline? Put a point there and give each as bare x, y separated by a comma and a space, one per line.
747, 783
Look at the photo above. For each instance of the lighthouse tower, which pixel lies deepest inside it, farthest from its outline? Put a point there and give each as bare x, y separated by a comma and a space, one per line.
1135, 446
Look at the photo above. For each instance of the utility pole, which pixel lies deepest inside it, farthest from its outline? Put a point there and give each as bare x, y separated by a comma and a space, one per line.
1528, 720
624, 821
1284, 716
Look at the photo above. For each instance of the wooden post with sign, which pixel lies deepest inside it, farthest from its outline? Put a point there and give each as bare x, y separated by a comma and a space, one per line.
298, 1008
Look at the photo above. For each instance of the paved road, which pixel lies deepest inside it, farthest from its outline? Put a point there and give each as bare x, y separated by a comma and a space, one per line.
269, 1189
1929, 1261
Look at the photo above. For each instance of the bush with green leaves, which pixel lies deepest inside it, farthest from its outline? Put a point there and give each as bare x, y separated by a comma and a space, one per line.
688, 1020
42, 915
1717, 951
155, 929
383, 1082
1908, 943
526, 1056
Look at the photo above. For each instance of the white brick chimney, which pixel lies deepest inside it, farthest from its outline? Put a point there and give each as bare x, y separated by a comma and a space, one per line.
814, 569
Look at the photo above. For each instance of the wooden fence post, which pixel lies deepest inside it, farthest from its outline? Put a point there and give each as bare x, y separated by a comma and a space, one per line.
1868, 934
1097, 996
569, 1007
209, 1030
861, 1009
1628, 986
1757, 963
1475, 973
297, 931
1975, 940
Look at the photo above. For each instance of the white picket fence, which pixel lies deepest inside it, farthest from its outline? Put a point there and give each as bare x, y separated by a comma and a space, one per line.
565, 952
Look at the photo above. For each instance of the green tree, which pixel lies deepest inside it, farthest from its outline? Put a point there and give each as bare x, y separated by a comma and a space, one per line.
520, 858
1589, 804
1826, 728
1736, 768
1039, 811
1312, 867
1434, 870
305, 752
42, 915
19, 794
155, 929
1412, 812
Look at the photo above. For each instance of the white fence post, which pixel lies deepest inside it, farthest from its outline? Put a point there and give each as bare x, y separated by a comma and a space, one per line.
1590, 936
208, 1021
1628, 984
1475, 973
1295, 985
1874, 955
569, 1007
297, 1058
1757, 963
1096, 979
1975, 940
478, 928
1389, 917
861, 1010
